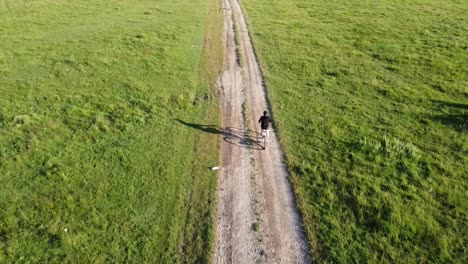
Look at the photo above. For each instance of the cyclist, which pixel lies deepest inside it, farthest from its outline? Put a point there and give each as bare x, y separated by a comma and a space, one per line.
265, 121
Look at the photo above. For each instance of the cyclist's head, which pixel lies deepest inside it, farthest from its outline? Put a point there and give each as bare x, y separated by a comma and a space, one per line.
265, 113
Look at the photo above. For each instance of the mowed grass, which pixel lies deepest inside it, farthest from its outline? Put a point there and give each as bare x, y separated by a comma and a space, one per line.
94, 166
371, 102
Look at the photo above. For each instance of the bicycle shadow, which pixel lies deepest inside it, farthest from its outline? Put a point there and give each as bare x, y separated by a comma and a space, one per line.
245, 138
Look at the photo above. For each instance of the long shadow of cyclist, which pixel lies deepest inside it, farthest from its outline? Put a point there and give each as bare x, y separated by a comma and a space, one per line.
245, 138
212, 129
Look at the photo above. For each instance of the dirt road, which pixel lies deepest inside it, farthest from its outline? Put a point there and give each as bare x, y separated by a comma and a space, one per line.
257, 221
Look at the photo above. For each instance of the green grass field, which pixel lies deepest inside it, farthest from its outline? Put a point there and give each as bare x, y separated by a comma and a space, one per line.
371, 102
94, 166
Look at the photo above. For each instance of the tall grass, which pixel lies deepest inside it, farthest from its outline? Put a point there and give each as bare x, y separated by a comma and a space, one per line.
371, 102
93, 166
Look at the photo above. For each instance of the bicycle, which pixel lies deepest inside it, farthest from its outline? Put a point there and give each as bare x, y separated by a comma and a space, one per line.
264, 137
265, 120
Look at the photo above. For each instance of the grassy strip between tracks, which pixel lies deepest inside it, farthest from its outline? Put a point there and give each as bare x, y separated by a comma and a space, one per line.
371, 102
94, 166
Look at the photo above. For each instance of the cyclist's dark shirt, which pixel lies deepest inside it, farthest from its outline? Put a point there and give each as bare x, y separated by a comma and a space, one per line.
265, 120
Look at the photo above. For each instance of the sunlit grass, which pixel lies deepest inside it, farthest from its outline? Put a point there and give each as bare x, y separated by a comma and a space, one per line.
93, 165
371, 102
